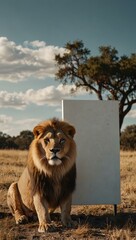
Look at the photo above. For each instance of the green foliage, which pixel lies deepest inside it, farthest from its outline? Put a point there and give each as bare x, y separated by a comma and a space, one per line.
128, 138
108, 76
21, 141
6, 142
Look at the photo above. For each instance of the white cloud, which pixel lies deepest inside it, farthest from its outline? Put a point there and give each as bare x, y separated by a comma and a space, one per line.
132, 114
31, 59
13, 127
35, 44
13, 100
4, 119
28, 124
5, 122
50, 95
59, 110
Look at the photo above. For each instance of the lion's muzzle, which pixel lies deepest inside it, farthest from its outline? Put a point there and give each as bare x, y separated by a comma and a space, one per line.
54, 161
55, 150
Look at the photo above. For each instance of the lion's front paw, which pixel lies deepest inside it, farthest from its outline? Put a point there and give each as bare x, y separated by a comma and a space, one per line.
44, 227
21, 219
69, 223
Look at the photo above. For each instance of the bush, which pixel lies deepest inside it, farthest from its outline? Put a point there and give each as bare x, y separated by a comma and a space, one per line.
128, 138
21, 141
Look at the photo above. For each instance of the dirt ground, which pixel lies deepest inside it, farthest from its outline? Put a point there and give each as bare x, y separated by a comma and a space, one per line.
94, 222
103, 226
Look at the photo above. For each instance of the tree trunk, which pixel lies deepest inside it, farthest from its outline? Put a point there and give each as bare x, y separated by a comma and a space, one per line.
121, 119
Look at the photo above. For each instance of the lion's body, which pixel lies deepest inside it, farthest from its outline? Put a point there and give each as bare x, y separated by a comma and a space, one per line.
54, 190
48, 180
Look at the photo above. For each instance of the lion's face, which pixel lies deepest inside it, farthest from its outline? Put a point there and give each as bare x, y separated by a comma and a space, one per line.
56, 145
55, 141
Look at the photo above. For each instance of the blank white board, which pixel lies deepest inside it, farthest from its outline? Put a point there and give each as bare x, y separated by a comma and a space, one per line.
97, 139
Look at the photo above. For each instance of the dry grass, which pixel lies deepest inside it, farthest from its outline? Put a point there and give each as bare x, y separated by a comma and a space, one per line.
94, 222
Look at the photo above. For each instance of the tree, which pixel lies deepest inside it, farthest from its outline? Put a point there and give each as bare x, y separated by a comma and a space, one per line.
7, 142
128, 138
21, 141
108, 76
24, 139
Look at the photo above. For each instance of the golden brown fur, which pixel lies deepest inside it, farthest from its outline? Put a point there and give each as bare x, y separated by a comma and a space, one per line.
48, 180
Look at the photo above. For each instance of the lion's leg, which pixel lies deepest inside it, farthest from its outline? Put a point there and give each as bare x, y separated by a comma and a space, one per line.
15, 203
41, 208
65, 213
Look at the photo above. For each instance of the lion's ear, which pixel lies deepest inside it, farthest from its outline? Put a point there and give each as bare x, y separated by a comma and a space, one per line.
71, 131
37, 131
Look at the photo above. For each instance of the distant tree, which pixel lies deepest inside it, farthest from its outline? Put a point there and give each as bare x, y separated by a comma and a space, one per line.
24, 139
2, 140
128, 138
10, 144
108, 76
21, 141
6, 142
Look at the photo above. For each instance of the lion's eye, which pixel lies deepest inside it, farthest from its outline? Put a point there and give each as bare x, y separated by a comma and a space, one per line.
46, 140
62, 140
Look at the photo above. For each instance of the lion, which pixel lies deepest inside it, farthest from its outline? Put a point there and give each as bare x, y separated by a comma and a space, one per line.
49, 177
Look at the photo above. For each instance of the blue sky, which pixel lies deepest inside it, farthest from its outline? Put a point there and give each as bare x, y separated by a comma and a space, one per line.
32, 31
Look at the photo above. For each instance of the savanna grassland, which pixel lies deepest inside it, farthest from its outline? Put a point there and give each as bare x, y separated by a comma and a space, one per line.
94, 222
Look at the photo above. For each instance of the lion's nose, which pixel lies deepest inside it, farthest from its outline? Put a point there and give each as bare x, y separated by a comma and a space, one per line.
55, 150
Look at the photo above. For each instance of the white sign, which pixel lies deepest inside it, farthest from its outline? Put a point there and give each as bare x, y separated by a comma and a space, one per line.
97, 139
